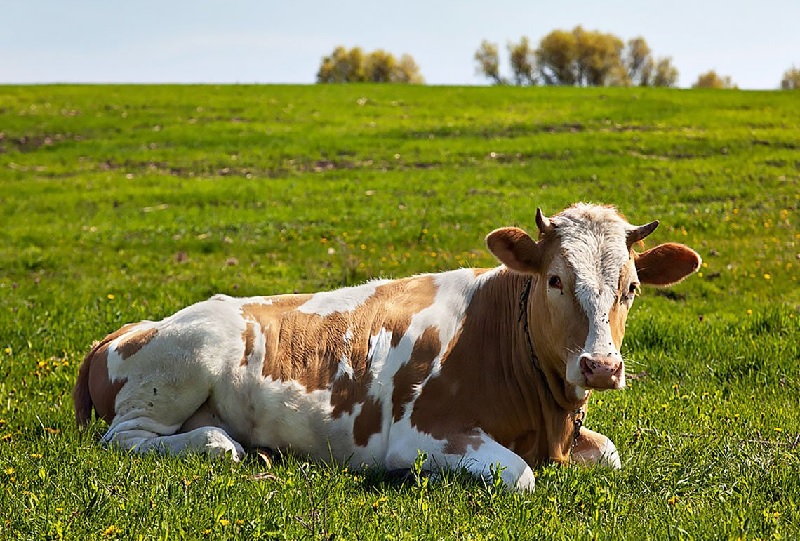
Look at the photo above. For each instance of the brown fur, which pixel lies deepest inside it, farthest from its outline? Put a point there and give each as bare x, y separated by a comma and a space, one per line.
249, 338
426, 348
131, 344
666, 264
92, 388
368, 422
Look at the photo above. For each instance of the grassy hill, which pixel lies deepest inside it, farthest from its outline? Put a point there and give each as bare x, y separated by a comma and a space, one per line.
122, 203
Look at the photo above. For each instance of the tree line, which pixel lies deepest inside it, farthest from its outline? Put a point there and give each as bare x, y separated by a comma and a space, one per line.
576, 57
355, 66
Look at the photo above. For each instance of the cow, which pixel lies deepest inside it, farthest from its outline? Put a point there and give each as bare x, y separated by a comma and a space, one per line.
488, 370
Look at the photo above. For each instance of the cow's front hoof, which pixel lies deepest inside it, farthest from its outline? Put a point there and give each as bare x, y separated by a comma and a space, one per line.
219, 443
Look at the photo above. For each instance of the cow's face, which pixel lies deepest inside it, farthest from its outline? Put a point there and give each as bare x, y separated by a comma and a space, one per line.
586, 278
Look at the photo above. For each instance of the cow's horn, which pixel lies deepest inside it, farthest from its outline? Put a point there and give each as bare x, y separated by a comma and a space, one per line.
638, 233
543, 222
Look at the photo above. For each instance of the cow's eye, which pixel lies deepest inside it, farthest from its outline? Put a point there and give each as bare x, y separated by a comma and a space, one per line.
555, 282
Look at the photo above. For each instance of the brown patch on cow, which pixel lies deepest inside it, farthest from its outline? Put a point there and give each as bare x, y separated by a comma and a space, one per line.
308, 348
368, 422
249, 338
348, 391
92, 388
619, 311
426, 348
102, 390
131, 343
457, 443
401, 300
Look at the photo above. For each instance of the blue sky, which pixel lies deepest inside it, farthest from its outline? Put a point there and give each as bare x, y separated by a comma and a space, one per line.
249, 41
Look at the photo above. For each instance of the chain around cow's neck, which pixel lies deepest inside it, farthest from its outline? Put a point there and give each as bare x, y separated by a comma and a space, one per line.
579, 414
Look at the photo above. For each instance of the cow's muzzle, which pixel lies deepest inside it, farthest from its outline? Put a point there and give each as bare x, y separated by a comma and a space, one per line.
603, 371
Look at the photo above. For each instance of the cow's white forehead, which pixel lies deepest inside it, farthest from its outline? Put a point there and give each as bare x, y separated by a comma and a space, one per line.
593, 241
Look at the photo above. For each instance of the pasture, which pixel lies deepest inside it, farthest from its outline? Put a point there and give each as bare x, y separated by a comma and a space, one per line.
122, 203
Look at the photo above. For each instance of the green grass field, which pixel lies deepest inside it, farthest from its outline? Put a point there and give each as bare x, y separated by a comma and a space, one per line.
122, 203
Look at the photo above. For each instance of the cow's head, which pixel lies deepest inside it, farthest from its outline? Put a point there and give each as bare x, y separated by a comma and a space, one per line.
586, 276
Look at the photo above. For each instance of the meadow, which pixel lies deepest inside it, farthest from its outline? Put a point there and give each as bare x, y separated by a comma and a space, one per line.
121, 203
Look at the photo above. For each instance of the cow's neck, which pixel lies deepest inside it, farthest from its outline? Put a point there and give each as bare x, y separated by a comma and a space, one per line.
529, 394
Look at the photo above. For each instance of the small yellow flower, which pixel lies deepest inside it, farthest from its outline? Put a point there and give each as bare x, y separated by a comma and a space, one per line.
110, 296
673, 500
749, 312
9, 471
111, 530
224, 521
767, 276
8, 351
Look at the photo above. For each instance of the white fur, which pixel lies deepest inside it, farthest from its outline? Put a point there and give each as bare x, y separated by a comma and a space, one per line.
593, 241
341, 300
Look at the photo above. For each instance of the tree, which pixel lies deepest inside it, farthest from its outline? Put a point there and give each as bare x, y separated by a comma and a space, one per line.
488, 60
665, 74
556, 56
639, 62
342, 66
353, 66
407, 71
599, 59
791, 79
379, 66
523, 61
711, 79
581, 57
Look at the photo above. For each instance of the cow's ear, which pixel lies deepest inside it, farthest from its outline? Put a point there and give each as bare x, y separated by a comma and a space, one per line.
666, 264
515, 249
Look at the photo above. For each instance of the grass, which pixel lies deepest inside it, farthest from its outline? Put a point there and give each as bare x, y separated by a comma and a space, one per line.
122, 203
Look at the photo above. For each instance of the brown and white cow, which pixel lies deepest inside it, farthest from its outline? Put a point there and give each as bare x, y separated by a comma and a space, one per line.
478, 368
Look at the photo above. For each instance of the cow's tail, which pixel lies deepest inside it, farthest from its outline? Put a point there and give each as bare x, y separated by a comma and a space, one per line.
81, 396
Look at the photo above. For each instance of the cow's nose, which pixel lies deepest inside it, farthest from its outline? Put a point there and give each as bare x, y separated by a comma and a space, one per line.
602, 371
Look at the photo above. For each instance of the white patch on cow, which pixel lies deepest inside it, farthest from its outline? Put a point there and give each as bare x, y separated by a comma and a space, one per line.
341, 300
348, 336
344, 368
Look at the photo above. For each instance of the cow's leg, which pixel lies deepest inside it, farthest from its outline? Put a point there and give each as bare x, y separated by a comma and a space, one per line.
593, 448
211, 440
175, 418
476, 452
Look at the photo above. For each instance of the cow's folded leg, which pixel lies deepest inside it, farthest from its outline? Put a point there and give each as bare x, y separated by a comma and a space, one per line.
480, 455
210, 440
593, 448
